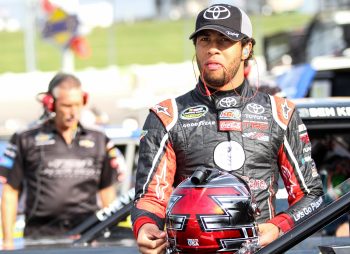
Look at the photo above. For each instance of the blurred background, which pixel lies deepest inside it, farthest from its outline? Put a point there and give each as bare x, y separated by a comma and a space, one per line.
131, 54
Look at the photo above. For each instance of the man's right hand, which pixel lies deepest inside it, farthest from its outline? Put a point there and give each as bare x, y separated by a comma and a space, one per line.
151, 240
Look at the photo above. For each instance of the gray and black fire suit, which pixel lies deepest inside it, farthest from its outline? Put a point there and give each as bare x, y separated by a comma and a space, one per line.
252, 134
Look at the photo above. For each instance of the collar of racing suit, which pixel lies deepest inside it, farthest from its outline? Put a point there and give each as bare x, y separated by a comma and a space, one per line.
242, 94
237, 90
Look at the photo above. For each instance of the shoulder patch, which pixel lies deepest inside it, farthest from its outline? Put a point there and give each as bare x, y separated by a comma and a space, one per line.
167, 112
282, 110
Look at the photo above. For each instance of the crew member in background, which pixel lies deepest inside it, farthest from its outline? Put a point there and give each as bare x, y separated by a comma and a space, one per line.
224, 123
60, 164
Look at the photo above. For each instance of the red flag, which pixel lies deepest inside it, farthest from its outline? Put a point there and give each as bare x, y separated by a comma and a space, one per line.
80, 47
47, 6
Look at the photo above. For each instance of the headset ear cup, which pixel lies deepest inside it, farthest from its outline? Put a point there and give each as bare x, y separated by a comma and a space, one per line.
48, 102
85, 98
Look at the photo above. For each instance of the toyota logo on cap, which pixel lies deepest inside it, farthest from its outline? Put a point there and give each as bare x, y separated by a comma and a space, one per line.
217, 12
226, 19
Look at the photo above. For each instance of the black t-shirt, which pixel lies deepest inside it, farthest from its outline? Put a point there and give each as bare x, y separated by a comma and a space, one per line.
61, 179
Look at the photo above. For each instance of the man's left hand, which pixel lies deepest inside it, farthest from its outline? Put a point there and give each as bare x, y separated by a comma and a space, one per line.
268, 232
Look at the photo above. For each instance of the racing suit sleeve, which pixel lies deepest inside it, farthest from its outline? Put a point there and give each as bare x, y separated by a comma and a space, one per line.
299, 175
155, 175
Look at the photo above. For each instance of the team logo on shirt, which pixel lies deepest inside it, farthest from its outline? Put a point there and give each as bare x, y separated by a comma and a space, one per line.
161, 109
304, 137
230, 114
229, 155
255, 108
198, 124
70, 168
86, 143
227, 102
162, 183
10, 151
301, 127
229, 125
42, 139
194, 112
285, 110
8, 158
308, 209
255, 184
254, 117
288, 177
314, 171
256, 135
256, 125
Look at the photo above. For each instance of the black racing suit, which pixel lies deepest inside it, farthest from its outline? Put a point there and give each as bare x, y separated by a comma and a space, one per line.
254, 135
61, 180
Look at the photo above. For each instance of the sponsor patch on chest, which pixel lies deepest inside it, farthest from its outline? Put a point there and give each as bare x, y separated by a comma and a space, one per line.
194, 112
230, 125
42, 139
87, 143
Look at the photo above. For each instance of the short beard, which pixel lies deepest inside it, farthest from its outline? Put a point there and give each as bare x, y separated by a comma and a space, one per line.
217, 82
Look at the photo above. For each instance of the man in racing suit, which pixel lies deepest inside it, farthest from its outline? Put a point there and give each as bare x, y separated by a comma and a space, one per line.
224, 123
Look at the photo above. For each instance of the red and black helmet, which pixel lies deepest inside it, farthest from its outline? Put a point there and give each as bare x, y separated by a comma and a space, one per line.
214, 214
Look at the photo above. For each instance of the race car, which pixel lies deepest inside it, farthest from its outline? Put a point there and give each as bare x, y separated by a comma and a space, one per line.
313, 61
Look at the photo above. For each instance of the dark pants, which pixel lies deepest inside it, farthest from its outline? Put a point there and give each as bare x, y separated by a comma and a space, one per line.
50, 226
